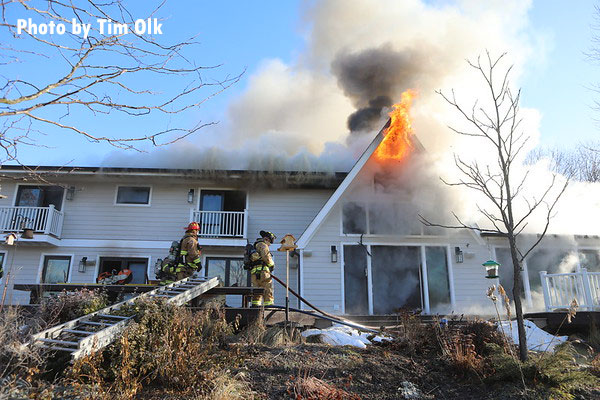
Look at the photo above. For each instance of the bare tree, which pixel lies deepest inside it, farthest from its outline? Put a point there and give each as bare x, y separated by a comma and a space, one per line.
499, 127
64, 81
581, 164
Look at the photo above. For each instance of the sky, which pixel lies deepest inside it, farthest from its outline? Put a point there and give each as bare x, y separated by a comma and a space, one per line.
556, 78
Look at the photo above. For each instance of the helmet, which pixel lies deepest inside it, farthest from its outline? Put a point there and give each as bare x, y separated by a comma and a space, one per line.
192, 226
269, 235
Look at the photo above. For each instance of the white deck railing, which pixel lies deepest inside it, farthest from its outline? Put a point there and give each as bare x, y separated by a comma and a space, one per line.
561, 289
46, 220
221, 224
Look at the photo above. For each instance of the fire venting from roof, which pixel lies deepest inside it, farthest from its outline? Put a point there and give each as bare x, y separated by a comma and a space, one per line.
397, 143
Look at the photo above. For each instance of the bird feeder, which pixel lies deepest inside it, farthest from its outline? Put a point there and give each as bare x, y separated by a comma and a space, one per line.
287, 243
491, 268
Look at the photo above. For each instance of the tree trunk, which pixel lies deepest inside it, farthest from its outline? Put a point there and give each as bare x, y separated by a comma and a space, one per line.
517, 295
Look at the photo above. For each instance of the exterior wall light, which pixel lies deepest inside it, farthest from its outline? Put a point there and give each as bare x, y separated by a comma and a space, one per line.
458, 253
70, 193
333, 254
82, 264
191, 196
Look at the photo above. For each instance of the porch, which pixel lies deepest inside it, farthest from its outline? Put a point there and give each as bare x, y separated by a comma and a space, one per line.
561, 289
46, 222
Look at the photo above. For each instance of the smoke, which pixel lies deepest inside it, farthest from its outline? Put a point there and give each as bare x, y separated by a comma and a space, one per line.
374, 77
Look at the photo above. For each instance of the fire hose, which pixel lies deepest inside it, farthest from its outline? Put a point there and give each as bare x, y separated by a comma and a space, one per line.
324, 315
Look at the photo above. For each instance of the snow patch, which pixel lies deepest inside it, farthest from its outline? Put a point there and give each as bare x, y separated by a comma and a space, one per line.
537, 339
344, 336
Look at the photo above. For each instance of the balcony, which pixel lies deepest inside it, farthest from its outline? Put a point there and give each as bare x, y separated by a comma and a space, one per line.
46, 222
561, 289
218, 226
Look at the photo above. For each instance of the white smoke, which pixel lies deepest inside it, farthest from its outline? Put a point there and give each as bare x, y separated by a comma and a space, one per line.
294, 116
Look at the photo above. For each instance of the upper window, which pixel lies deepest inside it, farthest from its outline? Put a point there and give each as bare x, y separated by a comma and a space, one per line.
136, 195
39, 196
56, 269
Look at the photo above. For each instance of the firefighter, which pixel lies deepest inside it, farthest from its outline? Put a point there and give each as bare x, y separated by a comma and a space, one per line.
263, 266
189, 260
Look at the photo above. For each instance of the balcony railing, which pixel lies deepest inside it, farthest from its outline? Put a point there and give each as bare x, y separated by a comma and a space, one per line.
45, 220
561, 289
221, 224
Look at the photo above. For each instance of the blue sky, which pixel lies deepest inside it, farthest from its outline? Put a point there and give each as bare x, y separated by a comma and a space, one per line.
241, 34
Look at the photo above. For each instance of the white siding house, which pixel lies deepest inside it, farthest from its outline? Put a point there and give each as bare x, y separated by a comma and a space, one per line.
352, 258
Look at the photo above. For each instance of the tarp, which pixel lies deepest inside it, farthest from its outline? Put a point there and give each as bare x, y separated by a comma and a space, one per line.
344, 336
537, 339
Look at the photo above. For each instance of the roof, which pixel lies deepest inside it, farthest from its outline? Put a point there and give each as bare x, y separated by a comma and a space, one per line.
297, 179
341, 189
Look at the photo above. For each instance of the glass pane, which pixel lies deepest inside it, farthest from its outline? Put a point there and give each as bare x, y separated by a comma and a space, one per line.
212, 202
354, 218
1, 265
356, 300
437, 276
238, 276
53, 195
29, 197
590, 259
56, 270
133, 195
396, 278
216, 267
138, 271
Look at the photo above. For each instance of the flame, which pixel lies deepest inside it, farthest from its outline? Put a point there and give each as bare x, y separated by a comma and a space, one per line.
396, 144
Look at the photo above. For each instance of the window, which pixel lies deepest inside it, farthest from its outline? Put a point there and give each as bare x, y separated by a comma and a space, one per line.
438, 281
2, 264
384, 218
137, 266
230, 270
56, 269
354, 218
133, 195
39, 196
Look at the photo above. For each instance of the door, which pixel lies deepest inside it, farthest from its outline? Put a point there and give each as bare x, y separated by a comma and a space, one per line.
231, 272
137, 266
396, 278
35, 196
211, 200
356, 295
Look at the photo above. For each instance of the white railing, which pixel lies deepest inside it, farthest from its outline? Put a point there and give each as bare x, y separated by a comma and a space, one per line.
46, 220
224, 224
561, 289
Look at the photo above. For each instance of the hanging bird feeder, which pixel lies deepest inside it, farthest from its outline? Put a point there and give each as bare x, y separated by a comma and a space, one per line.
491, 268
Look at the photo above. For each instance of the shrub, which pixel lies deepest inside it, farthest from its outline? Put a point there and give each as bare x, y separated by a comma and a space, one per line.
167, 345
17, 361
65, 306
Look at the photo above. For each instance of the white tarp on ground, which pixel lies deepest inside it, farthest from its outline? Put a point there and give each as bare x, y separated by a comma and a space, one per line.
537, 339
343, 336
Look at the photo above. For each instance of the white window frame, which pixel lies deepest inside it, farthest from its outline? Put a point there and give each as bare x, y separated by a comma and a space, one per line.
367, 206
133, 205
43, 258
422, 249
4, 268
149, 268
14, 200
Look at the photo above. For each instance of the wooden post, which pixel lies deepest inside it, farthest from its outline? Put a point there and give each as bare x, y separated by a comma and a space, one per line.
287, 288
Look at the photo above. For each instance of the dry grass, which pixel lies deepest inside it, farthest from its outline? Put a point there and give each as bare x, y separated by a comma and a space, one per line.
65, 306
311, 388
168, 347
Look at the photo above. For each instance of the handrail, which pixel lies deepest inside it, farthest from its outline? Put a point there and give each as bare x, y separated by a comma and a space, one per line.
562, 288
221, 224
46, 220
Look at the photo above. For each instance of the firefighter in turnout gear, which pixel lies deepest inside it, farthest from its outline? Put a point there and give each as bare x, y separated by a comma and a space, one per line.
190, 254
263, 265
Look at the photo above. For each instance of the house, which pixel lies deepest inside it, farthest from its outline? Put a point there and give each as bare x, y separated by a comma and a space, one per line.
360, 250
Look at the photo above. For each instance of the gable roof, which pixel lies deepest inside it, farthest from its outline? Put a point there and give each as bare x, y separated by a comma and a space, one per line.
326, 209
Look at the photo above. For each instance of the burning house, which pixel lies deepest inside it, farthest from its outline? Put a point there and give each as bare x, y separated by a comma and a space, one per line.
361, 247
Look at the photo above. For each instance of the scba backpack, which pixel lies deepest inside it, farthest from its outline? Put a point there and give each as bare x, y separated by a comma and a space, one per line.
162, 267
248, 252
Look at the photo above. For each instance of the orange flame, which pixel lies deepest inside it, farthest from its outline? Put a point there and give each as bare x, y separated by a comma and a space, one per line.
396, 144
